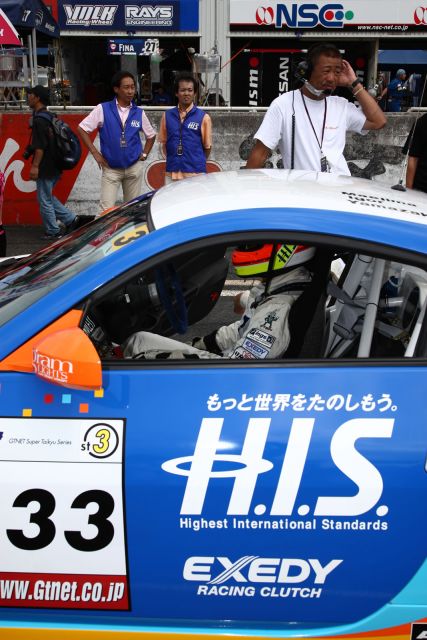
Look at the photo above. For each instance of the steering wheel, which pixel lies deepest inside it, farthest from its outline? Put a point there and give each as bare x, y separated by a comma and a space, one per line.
172, 297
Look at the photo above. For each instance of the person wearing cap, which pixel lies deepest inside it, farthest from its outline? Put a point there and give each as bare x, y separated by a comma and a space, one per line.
396, 90
120, 123
44, 169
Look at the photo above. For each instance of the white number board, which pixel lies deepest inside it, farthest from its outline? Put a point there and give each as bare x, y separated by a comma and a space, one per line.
62, 540
151, 46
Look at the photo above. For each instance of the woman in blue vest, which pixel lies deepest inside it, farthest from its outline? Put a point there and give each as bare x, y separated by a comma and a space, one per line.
185, 133
120, 124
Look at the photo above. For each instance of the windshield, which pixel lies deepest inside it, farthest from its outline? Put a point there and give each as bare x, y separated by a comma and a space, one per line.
31, 278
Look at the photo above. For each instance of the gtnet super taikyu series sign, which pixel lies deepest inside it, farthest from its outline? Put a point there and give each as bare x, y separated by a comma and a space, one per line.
360, 15
62, 542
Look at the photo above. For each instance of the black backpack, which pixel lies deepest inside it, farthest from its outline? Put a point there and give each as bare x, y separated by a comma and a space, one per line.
68, 146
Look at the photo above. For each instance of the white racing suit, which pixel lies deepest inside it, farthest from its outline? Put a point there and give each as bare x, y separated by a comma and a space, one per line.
262, 331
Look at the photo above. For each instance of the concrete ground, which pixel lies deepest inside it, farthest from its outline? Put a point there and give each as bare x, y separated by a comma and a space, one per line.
24, 239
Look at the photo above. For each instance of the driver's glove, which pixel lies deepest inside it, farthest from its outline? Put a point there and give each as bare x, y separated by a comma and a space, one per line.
207, 343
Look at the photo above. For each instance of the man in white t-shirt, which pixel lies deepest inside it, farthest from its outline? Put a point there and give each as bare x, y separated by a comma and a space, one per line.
309, 125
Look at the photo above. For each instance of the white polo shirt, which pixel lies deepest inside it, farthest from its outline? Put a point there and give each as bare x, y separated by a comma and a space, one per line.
341, 116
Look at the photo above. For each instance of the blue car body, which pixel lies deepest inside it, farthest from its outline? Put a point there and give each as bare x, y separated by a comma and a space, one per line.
280, 500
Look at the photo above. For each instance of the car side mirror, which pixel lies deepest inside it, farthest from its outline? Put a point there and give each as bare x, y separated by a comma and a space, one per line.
68, 358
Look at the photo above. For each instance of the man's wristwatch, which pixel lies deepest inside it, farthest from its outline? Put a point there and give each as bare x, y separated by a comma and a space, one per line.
355, 83
143, 156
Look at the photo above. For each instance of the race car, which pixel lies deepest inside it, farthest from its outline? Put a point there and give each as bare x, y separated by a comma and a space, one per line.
242, 495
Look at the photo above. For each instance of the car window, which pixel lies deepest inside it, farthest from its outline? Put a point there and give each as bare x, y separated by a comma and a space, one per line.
238, 301
29, 279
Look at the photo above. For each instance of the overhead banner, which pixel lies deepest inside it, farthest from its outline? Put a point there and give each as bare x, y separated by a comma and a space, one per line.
129, 16
30, 14
363, 15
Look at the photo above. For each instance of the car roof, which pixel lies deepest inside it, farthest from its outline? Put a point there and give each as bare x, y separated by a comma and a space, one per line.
284, 189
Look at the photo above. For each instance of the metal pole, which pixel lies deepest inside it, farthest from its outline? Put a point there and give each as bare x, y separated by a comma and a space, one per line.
36, 73
30, 56
372, 65
371, 310
410, 349
350, 286
216, 52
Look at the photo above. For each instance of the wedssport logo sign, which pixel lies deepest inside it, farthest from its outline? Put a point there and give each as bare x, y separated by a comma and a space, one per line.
99, 15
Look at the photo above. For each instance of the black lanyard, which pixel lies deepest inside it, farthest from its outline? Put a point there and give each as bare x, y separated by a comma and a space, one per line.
179, 150
312, 126
123, 143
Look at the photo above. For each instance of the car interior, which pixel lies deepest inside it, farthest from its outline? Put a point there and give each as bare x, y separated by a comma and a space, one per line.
357, 305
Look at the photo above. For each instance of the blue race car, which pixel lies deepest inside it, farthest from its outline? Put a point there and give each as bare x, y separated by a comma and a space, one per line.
211, 423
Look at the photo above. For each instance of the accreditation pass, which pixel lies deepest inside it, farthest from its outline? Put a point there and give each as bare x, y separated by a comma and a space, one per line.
62, 541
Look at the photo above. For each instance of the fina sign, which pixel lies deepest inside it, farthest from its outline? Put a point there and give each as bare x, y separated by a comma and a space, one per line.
132, 47
362, 15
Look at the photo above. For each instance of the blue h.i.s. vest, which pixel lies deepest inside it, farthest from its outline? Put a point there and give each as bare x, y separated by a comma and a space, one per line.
396, 93
110, 133
193, 159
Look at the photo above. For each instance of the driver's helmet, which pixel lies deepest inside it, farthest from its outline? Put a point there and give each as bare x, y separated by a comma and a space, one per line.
256, 260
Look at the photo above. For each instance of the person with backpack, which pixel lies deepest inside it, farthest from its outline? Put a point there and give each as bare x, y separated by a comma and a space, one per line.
46, 167
120, 123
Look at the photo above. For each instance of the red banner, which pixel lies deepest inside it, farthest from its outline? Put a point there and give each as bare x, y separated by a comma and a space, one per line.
8, 33
20, 202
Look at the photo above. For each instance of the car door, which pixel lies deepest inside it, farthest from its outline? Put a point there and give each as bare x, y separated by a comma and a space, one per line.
285, 485
281, 494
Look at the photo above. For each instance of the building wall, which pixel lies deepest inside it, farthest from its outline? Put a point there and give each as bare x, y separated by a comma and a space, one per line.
376, 156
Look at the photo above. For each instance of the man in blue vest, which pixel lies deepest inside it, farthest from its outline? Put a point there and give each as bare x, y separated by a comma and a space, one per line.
185, 133
120, 124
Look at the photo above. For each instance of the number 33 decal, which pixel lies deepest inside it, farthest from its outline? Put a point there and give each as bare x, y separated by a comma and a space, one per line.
47, 529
